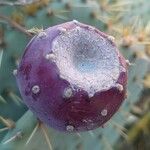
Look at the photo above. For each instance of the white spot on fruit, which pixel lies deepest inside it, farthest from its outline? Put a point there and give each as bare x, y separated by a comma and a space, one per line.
68, 93
69, 128
91, 94
75, 21
111, 38
104, 112
42, 35
15, 72
50, 56
35, 89
119, 87
128, 63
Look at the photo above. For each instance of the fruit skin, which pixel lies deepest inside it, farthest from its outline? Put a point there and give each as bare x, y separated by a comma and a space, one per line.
15, 47
78, 112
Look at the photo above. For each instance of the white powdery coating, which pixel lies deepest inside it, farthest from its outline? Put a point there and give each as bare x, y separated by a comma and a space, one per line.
86, 59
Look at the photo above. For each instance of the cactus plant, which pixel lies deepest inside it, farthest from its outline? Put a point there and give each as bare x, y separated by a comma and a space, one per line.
99, 14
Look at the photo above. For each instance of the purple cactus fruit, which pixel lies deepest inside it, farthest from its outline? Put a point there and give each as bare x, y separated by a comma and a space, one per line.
72, 77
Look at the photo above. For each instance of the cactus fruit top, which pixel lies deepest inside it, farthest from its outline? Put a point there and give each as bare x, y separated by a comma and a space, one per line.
72, 77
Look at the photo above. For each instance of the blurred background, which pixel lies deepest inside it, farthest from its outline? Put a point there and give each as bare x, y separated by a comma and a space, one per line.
128, 21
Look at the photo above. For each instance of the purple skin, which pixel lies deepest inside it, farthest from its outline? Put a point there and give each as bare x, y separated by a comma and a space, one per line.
61, 100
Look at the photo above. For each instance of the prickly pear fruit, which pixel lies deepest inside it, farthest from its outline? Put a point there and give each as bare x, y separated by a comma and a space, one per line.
72, 77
